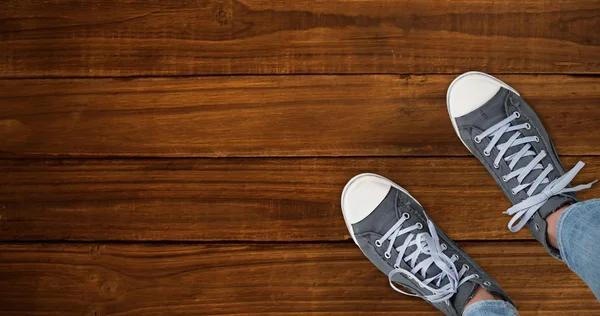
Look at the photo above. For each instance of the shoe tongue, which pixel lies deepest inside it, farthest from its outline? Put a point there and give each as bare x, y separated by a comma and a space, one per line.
432, 271
463, 294
489, 114
383, 218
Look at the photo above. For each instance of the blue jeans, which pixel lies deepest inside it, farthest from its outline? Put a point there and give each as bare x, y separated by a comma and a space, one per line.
578, 236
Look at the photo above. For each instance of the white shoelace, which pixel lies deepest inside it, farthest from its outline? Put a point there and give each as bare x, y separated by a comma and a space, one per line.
525, 209
427, 244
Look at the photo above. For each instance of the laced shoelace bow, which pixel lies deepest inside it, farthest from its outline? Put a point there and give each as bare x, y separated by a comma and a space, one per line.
525, 209
426, 243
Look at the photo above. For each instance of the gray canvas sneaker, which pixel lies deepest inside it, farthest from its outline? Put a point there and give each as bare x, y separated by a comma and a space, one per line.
393, 231
505, 134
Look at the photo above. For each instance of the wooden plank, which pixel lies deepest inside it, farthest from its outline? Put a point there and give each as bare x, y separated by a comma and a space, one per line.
320, 279
368, 115
171, 37
239, 199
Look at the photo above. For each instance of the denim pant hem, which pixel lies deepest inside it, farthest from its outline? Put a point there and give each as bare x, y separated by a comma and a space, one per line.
491, 308
559, 228
578, 238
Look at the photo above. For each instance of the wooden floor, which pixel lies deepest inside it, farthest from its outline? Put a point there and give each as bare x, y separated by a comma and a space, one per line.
186, 157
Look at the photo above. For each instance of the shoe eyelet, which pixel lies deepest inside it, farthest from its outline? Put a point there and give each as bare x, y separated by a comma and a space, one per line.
387, 255
537, 139
455, 256
396, 266
513, 192
527, 126
405, 215
466, 267
378, 243
476, 276
517, 114
486, 153
496, 166
477, 139
537, 227
504, 179
419, 226
444, 247
487, 283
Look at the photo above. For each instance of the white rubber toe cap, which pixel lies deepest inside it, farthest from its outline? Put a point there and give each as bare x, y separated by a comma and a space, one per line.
470, 91
362, 195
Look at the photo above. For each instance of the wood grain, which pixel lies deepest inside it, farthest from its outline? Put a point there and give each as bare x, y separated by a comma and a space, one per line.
256, 279
366, 115
150, 38
239, 199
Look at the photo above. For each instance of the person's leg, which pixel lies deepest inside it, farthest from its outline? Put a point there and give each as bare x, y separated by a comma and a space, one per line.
578, 239
574, 230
